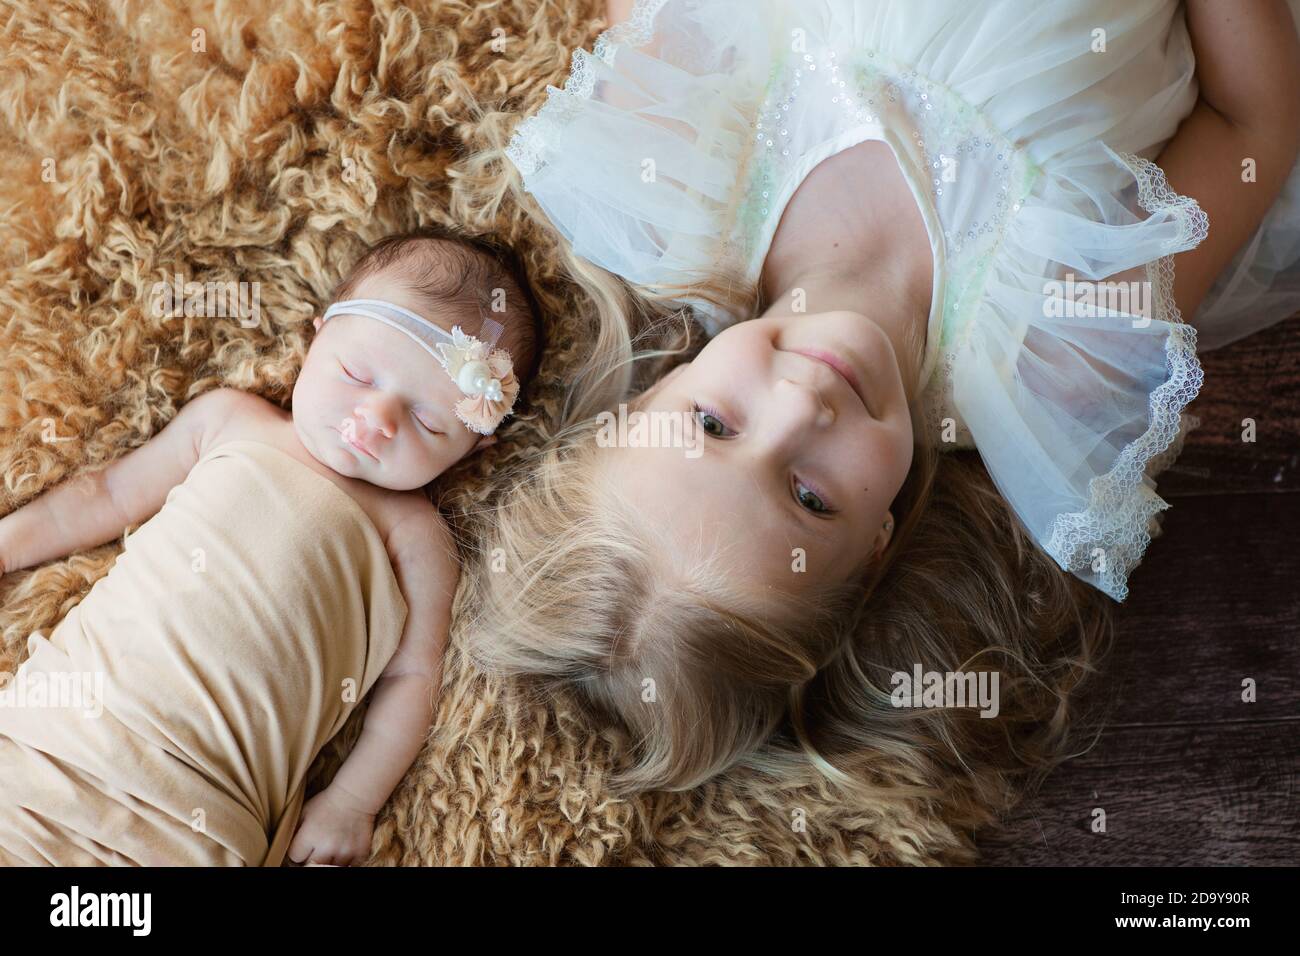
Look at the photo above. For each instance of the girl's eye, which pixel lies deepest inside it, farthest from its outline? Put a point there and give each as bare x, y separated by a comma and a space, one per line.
711, 423
428, 428
354, 378
811, 500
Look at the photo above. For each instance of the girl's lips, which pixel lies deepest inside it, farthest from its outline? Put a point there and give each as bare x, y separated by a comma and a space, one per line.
357, 445
840, 366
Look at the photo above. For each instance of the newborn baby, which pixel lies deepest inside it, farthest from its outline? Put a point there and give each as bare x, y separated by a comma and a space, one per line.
412, 368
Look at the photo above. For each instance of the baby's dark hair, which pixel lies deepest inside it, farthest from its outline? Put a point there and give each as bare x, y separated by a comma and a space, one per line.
464, 273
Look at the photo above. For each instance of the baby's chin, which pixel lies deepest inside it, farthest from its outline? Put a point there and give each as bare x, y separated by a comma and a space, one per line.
329, 449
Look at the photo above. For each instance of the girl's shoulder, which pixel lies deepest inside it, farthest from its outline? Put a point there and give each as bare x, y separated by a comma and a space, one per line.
253, 418
239, 416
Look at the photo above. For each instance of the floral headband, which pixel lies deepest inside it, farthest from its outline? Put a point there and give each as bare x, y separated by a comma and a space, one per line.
484, 373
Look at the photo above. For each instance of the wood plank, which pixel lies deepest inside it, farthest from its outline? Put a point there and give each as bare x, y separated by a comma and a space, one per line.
1216, 600
1258, 378
1186, 771
1217, 794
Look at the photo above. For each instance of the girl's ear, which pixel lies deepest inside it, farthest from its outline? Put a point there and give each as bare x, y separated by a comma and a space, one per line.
882, 541
317, 323
883, 538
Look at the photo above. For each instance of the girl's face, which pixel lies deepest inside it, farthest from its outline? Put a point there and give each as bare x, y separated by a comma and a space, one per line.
791, 453
365, 381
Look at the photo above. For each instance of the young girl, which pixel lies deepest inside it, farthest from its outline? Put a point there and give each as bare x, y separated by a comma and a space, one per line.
294, 564
942, 228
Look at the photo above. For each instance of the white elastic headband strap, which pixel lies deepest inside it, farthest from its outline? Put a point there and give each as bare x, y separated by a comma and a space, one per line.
404, 320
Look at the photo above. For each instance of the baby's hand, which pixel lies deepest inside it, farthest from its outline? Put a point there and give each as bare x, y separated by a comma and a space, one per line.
332, 830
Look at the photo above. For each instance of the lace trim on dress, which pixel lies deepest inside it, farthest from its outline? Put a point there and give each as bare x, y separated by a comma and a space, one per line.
535, 136
1111, 535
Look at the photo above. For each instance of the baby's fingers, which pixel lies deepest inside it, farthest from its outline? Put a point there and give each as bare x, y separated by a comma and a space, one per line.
301, 848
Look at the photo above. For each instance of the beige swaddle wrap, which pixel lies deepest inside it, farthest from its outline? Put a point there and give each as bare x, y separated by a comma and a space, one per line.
230, 641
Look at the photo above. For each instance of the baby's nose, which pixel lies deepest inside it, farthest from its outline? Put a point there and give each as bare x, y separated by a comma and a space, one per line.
377, 416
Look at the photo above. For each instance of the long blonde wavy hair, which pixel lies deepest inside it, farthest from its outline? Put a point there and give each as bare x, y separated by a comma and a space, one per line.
698, 674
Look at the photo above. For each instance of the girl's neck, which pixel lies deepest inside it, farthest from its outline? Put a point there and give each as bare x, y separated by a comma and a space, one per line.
852, 238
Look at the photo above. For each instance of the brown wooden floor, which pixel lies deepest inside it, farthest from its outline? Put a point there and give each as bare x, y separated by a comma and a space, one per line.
1186, 772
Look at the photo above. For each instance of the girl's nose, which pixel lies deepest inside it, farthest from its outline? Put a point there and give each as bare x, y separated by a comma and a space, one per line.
377, 413
796, 412
802, 406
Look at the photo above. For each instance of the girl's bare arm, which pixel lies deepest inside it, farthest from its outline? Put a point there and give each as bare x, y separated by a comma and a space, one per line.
94, 508
401, 707
1248, 69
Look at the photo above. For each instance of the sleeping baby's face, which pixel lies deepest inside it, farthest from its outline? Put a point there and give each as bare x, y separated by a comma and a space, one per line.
372, 405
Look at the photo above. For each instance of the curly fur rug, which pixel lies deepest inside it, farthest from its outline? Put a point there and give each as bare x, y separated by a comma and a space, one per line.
270, 143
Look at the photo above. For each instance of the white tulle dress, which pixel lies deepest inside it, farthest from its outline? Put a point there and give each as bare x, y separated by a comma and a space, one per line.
1026, 132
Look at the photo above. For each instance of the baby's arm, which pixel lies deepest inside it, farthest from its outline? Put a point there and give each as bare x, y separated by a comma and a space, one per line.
94, 508
336, 823
1248, 70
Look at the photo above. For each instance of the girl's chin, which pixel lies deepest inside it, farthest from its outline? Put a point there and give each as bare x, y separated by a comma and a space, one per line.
333, 452
345, 451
